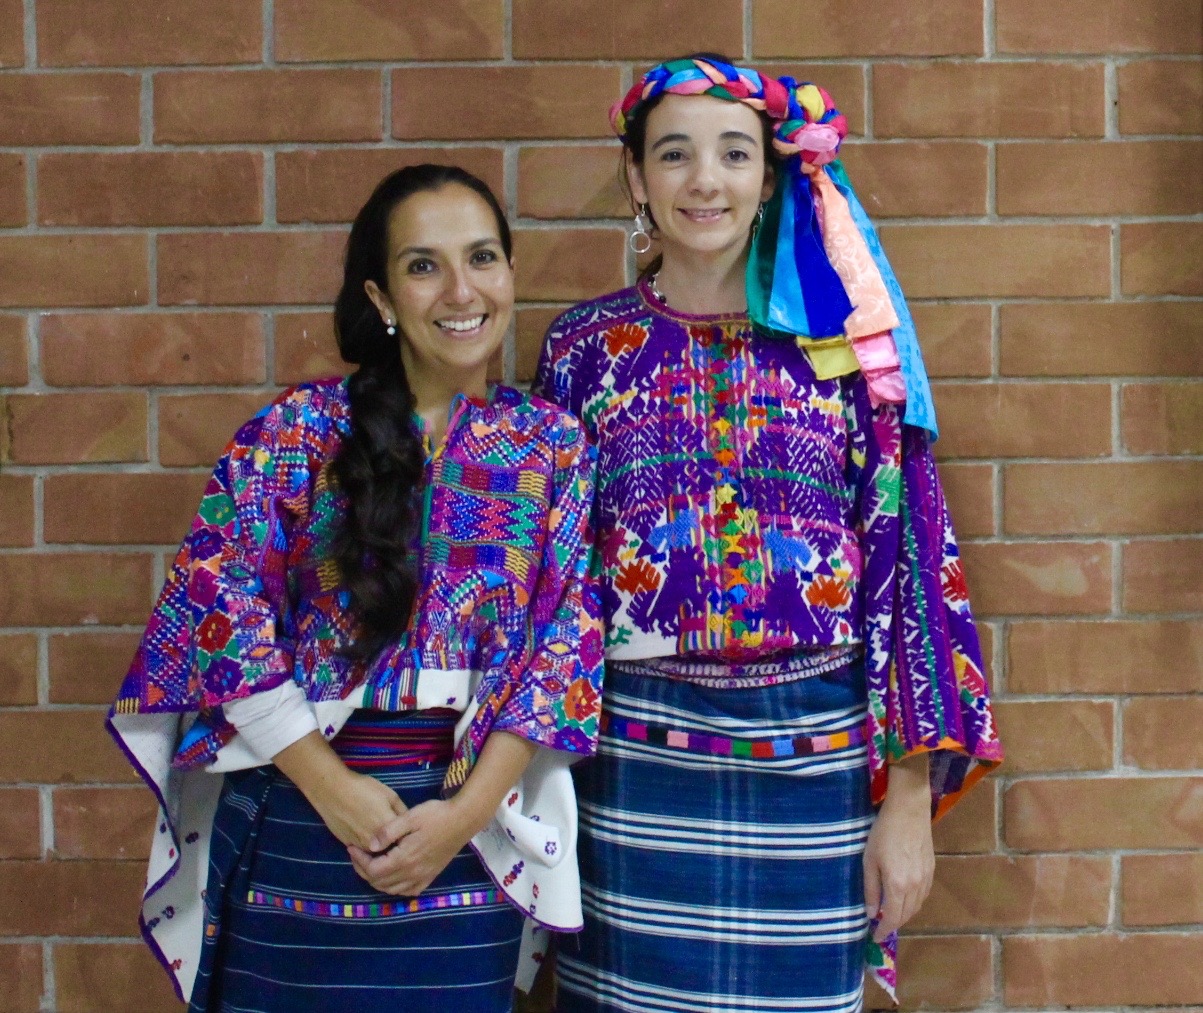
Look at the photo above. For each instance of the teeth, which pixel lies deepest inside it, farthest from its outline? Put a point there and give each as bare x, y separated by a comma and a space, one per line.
462, 325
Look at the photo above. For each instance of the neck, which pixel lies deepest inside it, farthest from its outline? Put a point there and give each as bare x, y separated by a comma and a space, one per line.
704, 283
433, 393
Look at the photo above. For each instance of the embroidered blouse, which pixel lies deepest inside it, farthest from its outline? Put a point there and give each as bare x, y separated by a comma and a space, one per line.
506, 628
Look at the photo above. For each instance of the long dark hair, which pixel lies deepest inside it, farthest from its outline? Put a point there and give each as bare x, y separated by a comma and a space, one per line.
635, 145
380, 466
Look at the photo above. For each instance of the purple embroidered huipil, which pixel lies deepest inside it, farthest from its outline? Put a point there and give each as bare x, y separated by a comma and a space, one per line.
746, 509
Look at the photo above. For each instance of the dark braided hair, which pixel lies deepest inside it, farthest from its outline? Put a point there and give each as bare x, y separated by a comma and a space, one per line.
380, 465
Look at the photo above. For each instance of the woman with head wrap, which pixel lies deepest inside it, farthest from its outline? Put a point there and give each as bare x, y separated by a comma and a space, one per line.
794, 683
382, 630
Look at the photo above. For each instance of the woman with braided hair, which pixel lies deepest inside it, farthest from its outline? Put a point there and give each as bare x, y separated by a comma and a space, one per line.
794, 685
382, 630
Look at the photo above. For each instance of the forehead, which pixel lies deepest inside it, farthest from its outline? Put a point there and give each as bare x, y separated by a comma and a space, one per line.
701, 117
450, 218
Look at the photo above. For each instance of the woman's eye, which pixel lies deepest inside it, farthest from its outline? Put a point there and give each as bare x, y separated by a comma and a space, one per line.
672, 156
738, 155
422, 265
482, 258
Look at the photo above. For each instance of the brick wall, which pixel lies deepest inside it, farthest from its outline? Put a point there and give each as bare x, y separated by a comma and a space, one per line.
175, 181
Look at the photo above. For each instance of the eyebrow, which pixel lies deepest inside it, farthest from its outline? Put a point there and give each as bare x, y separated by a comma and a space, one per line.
726, 135
428, 251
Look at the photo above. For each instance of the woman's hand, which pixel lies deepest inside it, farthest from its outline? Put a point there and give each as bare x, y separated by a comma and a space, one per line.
900, 857
353, 806
426, 838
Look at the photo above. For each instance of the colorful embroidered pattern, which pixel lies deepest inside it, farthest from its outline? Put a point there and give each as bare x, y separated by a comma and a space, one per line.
384, 909
719, 745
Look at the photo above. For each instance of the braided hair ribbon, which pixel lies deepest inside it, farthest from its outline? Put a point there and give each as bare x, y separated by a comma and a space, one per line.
816, 271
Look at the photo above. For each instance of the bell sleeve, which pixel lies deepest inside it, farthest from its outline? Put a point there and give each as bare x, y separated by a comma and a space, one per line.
927, 687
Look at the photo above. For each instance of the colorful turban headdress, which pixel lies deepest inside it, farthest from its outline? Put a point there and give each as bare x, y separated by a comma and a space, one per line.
816, 270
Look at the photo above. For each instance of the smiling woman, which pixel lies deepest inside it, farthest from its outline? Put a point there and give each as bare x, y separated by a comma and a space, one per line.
381, 630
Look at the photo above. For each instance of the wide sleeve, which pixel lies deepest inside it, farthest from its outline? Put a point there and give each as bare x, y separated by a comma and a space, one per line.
552, 694
927, 685
219, 629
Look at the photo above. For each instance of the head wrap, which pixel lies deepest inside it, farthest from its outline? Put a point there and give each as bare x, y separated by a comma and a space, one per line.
816, 270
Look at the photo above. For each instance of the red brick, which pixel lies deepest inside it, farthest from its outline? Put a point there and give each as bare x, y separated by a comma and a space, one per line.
1062, 27
956, 338
625, 29
1162, 258
12, 191
18, 669
194, 429
110, 978
389, 31
1153, 732
918, 178
20, 822
21, 971
89, 667
988, 100
80, 507
306, 348
42, 759
571, 181
558, 101
1089, 814
250, 268
74, 428
1113, 497
151, 188
530, 328
1162, 889
16, 510
74, 588
103, 822
1039, 578
866, 28
132, 33
844, 82
331, 185
970, 492
14, 354
1163, 576
568, 263
985, 633
1141, 656
1100, 178
1100, 339
1122, 970
12, 43
48, 109
970, 826
997, 891
960, 261
69, 898
1163, 418
1056, 735
267, 106
941, 972
1176, 86
73, 270
151, 349
1023, 420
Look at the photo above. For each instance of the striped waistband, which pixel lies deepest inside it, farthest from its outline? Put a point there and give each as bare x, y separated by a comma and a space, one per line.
381, 909
722, 745
734, 675
372, 738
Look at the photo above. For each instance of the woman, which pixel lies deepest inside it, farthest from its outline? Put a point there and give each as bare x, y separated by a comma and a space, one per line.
380, 628
788, 634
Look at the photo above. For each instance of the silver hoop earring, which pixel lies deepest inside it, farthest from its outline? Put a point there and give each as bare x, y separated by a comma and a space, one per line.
641, 239
758, 219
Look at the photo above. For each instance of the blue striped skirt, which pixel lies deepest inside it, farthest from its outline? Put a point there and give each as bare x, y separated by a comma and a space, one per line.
722, 834
290, 926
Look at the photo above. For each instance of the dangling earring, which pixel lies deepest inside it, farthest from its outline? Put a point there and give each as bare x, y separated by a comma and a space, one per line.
641, 238
758, 219
390, 328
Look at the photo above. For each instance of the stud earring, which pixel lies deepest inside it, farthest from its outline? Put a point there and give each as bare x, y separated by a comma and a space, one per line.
641, 238
390, 328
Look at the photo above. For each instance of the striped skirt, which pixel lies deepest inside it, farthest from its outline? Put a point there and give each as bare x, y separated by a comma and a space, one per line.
290, 927
722, 833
